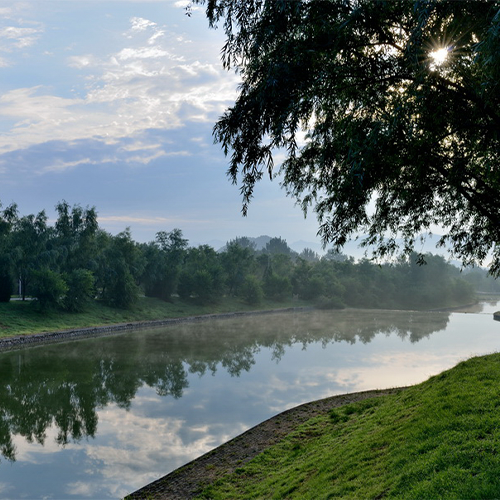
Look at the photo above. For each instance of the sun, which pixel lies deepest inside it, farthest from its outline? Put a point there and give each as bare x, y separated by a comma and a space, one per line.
439, 57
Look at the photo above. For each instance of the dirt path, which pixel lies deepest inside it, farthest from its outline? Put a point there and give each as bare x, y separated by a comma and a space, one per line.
189, 480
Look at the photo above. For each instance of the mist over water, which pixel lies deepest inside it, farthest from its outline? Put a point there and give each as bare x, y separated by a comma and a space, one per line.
99, 418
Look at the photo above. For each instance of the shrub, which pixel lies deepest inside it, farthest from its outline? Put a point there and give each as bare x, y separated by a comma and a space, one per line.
48, 288
251, 291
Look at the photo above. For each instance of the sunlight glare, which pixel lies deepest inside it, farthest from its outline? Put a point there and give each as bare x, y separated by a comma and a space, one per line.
439, 57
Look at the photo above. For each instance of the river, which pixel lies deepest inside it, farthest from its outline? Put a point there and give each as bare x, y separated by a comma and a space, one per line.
100, 418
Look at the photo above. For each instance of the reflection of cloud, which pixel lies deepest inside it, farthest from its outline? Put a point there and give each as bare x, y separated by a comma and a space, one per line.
4, 488
379, 369
139, 445
35, 453
83, 489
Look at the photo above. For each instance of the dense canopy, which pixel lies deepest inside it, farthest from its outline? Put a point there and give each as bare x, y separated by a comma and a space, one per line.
387, 114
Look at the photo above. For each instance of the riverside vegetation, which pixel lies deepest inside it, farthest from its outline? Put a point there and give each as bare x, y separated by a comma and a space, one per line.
79, 275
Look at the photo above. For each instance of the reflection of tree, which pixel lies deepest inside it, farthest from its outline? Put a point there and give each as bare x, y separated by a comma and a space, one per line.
64, 384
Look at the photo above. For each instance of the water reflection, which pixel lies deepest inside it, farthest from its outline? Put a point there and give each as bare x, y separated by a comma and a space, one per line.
63, 385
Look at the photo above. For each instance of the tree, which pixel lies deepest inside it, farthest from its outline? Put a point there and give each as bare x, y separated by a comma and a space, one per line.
29, 253
80, 290
202, 275
75, 232
400, 104
48, 288
7, 218
237, 261
277, 246
164, 258
252, 290
120, 265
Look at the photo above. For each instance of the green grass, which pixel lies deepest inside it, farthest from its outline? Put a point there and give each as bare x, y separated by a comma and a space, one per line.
439, 439
21, 318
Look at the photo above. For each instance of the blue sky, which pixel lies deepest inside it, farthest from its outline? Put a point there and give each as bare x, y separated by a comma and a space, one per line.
111, 104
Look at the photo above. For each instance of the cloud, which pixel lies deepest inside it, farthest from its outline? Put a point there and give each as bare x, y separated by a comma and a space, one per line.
20, 37
83, 61
145, 221
151, 83
140, 24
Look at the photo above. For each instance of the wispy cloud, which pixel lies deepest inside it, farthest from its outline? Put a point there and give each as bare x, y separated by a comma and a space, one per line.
19, 37
150, 83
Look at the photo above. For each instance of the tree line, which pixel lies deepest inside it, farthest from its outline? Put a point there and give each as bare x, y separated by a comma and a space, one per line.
74, 261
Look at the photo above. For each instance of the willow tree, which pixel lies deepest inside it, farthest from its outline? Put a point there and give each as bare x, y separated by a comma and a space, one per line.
387, 112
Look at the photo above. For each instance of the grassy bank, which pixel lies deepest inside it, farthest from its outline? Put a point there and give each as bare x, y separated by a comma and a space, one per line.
21, 318
439, 439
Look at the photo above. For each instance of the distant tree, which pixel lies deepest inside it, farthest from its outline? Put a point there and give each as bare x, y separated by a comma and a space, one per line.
202, 275
335, 255
307, 284
309, 255
245, 242
278, 245
164, 258
277, 287
251, 290
120, 266
80, 290
48, 288
237, 261
400, 101
28, 247
75, 233
7, 219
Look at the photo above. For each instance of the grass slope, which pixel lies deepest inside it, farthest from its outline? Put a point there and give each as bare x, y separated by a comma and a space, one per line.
21, 318
439, 439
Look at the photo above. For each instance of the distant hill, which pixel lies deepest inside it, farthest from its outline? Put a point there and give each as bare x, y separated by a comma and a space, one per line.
351, 248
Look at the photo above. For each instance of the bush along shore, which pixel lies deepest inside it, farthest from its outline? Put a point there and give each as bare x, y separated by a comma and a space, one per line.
438, 439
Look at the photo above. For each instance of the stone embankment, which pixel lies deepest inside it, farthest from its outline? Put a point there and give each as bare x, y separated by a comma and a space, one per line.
22, 341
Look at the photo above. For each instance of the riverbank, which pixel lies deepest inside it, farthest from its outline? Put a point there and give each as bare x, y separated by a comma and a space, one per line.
17, 342
187, 481
19, 319
437, 439
22, 325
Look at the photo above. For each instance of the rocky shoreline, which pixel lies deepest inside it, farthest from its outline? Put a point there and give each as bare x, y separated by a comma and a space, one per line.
31, 340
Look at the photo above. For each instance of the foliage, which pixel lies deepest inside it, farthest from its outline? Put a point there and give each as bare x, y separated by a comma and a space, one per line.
238, 260
7, 218
48, 288
120, 266
81, 290
396, 141
121, 290
75, 232
164, 258
5, 287
202, 275
93, 263
277, 287
252, 292
28, 248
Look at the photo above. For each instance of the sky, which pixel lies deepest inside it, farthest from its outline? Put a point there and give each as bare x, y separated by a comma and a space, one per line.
111, 104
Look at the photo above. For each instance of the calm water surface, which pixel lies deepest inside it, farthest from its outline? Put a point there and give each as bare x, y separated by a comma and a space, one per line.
100, 418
